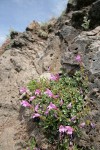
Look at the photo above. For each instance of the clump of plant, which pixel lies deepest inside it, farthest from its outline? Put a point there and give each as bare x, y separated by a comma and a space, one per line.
86, 23
32, 144
57, 104
43, 34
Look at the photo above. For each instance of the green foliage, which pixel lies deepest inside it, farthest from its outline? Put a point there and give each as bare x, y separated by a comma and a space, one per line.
86, 23
42, 34
32, 144
67, 95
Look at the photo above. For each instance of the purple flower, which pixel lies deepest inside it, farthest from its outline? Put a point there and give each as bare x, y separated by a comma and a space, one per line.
32, 98
82, 125
61, 129
25, 104
61, 102
54, 77
49, 68
23, 90
73, 118
37, 92
36, 107
92, 125
55, 96
78, 58
36, 115
51, 106
46, 112
49, 93
69, 130
69, 106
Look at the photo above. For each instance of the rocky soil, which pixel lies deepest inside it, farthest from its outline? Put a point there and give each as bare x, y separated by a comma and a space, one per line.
29, 54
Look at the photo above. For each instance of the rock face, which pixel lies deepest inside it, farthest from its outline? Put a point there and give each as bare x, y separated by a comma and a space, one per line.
94, 14
29, 54
78, 9
87, 44
26, 57
79, 4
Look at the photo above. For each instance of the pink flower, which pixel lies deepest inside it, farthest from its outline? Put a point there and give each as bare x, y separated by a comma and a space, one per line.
61, 102
73, 118
51, 106
82, 125
23, 90
78, 58
49, 93
61, 129
32, 98
25, 104
37, 92
36, 107
54, 77
46, 112
49, 68
69, 130
92, 125
36, 115
69, 106
55, 96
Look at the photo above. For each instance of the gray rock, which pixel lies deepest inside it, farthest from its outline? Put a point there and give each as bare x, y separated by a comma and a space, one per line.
94, 14
68, 33
28, 57
16, 69
87, 44
77, 18
78, 4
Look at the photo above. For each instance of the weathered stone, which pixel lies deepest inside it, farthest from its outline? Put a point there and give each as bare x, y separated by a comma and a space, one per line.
34, 26
68, 33
77, 18
94, 14
51, 57
88, 46
26, 59
16, 69
13, 34
4, 46
78, 4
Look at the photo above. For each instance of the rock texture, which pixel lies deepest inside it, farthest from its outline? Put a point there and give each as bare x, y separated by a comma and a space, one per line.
94, 14
78, 9
87, 44
29, 54
26, 57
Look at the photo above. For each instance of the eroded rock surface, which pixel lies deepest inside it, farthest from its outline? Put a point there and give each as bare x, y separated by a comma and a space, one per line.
29, 54
87, 44
26, 57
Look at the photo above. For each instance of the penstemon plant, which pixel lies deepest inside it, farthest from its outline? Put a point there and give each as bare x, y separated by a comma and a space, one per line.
57, 104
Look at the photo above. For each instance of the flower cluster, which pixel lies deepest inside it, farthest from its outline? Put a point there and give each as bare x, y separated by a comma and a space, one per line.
54, 77
59, 104
66, 129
